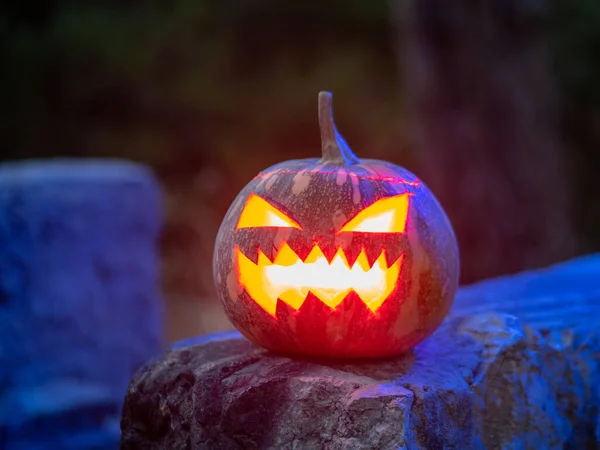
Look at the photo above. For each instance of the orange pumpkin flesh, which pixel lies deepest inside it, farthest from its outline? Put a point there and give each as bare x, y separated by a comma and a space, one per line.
336, 257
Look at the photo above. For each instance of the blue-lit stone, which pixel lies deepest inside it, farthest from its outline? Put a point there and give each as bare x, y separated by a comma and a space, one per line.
79, 300
486, 378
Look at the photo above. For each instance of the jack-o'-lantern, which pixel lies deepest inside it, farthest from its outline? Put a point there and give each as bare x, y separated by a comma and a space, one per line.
336, 257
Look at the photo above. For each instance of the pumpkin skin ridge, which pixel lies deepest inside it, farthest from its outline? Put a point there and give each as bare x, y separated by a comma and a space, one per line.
366, 169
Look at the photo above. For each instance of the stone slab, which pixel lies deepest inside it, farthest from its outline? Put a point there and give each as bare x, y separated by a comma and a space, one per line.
515, 365
80, 306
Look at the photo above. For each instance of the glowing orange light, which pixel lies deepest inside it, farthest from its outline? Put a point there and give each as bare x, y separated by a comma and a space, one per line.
387, 215
290, 279
260, 213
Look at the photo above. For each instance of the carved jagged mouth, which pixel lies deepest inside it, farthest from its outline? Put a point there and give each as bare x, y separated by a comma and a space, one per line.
290, 279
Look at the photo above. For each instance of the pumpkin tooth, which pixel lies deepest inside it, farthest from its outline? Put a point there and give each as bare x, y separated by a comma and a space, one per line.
329, 297
286, 256
265, 244
251, 252
381, 261
372, 253
301, 248
351, 254
338, 298
330, 251
294, 297
315, 255
267, 252
263, 260
392, 254
339, 258
362, 261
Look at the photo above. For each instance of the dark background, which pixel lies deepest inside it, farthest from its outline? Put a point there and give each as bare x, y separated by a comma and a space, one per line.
494, 104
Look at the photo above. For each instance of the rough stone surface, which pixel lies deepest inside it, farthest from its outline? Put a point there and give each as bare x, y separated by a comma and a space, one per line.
565, 295
562, 302
483, 380
79, 300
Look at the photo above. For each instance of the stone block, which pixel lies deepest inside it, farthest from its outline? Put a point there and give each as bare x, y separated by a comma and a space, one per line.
80, 308
483, 380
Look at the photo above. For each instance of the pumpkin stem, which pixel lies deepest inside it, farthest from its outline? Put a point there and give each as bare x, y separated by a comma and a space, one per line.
333, 146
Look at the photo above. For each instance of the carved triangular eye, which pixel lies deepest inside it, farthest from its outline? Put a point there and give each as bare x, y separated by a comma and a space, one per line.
387, 215
260, 213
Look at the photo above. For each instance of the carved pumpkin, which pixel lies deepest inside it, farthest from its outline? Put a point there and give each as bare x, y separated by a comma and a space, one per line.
337, 256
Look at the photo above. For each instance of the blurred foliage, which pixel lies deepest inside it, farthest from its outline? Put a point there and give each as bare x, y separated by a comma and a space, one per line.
175, 83
210, 92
